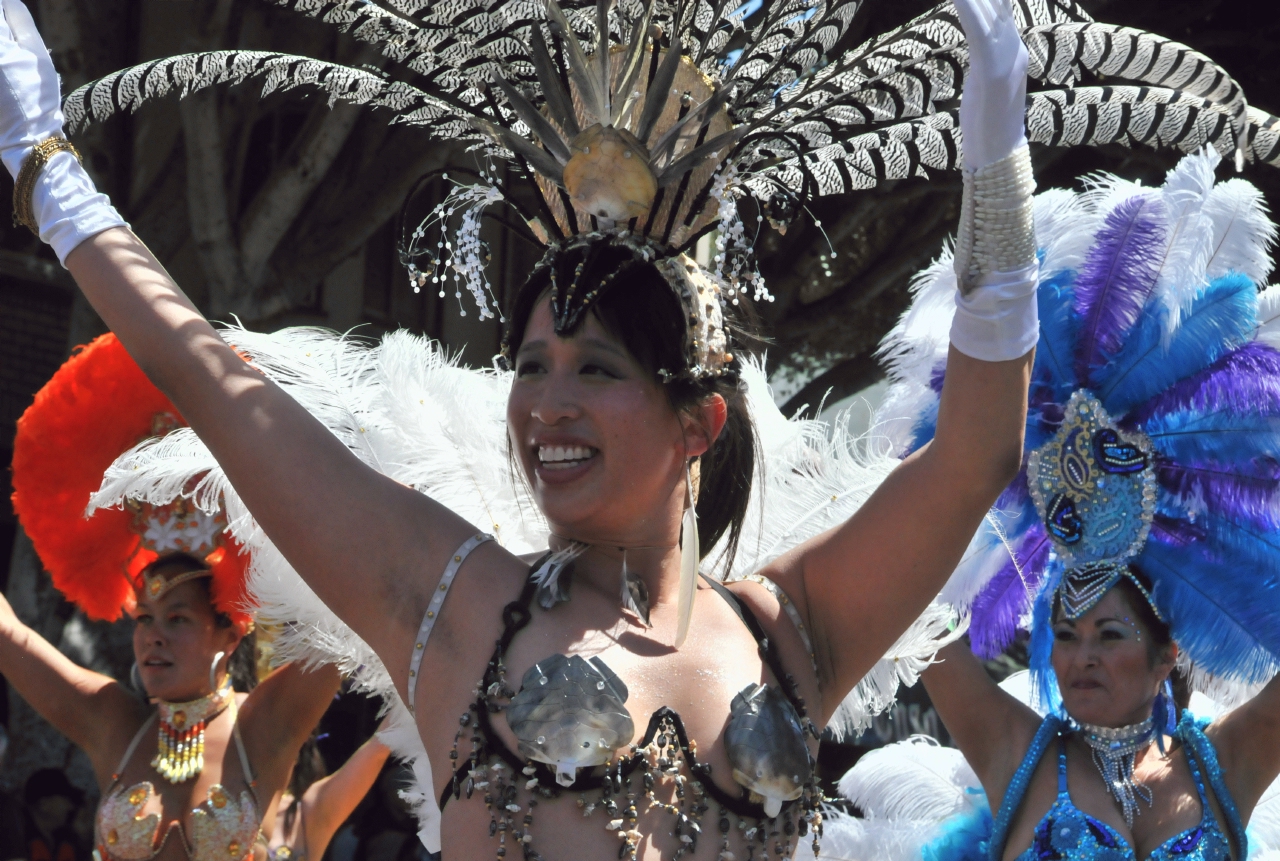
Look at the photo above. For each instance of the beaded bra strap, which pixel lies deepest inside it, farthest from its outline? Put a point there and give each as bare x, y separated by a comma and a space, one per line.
1017, 788
1191, 732
433, 609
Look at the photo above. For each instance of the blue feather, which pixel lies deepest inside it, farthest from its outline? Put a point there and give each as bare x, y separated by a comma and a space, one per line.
1222, 437
963, 836
1044, 681
1240, 637
1223, 316
1059, 327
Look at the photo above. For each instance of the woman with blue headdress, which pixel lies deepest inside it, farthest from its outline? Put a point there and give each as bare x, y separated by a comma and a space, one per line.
1140, 542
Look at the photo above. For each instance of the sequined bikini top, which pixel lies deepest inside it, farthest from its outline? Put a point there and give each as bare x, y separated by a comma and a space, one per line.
573, 729
1067, 833
223, 827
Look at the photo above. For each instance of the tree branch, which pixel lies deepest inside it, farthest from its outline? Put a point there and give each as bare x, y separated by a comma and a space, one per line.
277, 205
346, 219
207, 203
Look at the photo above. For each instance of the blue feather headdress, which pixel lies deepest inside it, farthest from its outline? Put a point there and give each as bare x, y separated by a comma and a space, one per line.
1153, 434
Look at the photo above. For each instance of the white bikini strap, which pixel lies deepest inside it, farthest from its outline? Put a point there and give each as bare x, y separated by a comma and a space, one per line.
792, 613
244, 760
133, 745
433, 609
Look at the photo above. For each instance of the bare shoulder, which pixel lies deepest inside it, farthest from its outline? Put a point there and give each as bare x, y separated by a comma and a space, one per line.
779, 625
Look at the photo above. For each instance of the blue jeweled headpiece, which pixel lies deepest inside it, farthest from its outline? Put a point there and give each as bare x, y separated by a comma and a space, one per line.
1094, 487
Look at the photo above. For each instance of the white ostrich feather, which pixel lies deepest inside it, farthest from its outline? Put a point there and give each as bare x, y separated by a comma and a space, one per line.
1064, 230
1243, 234
1224, 693
400, 734
1269, 317
850, 838
907, 658
1188, 234
916, 779
812, 476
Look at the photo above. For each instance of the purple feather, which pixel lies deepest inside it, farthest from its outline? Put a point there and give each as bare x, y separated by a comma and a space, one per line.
1237, 492
938, 376
1175, 533
1003, 602
1117, 278
1246, 380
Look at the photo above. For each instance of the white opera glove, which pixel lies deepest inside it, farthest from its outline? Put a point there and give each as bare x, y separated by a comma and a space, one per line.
65, 204
995, 257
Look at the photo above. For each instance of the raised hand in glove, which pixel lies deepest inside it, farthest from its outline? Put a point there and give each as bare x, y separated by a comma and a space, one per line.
993, 105
64, 203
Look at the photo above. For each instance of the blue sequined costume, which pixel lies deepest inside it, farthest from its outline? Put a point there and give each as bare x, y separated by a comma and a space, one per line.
1067, 833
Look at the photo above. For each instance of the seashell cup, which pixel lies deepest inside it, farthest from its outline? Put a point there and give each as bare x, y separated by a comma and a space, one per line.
570, 714
766, 747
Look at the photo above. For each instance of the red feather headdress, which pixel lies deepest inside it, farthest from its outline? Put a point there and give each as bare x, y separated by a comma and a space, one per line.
97, 406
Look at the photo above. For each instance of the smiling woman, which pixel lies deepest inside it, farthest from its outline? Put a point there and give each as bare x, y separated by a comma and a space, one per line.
206, 761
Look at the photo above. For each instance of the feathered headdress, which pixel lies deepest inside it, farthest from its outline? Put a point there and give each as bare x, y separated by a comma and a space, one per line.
1153, 434
644, 124
97, 406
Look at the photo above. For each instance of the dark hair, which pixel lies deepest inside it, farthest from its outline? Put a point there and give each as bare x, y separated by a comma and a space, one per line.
242, 665
307, 769
638, 307
46, 782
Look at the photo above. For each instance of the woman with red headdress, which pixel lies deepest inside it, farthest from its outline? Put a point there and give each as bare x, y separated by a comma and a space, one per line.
193, 773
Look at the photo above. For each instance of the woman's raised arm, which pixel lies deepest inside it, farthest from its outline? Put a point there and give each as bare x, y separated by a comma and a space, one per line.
992, 728
92, 710
337, 521
865, 581
1248, 744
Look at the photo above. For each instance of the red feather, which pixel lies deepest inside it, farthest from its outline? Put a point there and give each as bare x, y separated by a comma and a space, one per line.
98, 405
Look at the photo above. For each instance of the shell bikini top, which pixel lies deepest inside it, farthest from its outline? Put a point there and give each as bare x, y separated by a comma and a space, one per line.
223, 828
1067, 833
569, 718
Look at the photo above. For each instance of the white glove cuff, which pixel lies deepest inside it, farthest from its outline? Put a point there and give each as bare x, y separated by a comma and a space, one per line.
996, 233
1000, 320
67, 206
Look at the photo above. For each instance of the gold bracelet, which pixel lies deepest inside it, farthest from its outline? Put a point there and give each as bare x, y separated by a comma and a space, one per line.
25, 185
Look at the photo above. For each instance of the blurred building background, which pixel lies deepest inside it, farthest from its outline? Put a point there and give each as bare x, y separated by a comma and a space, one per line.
280, 211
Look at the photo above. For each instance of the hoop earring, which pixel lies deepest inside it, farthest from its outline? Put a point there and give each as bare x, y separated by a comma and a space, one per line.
135, 680
213, 672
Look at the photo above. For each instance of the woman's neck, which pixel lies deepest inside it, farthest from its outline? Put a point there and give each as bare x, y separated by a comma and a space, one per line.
600, 566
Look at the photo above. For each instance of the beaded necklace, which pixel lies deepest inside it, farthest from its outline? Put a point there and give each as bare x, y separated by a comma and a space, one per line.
180, 742
1114, 752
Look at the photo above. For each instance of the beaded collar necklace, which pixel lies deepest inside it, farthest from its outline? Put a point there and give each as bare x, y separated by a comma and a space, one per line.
180, 742
1114, 752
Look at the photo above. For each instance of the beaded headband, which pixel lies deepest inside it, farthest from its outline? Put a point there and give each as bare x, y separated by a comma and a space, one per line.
1082, 588
706, 347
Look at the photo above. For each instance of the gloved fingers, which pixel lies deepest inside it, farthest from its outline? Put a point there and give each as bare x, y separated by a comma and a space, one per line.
976, 19
23, 27
25, 34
